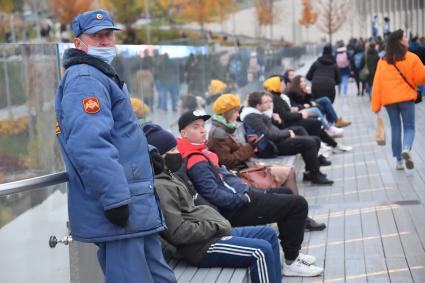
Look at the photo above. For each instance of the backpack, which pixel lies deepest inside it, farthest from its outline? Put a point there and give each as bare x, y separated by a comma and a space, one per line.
342, 60
358, 60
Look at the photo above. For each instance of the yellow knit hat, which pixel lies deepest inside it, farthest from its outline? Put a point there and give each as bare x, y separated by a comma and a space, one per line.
273, 84
139, 107
216, 87
226, 102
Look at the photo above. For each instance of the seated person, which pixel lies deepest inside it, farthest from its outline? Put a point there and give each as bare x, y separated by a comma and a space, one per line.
200, 234
230, 151
312, 125
258, 118
241, 205
301, 97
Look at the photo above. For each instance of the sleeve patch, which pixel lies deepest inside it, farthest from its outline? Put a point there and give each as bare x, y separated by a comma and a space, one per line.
91, 105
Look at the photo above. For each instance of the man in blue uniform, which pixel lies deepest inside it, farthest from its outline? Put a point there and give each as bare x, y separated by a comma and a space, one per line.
112, 201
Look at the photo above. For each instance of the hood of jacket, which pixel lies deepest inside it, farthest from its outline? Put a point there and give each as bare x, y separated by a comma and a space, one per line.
185, 147
249, 110
326, 60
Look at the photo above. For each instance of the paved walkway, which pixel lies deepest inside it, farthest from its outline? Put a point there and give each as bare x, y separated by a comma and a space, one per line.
375, 214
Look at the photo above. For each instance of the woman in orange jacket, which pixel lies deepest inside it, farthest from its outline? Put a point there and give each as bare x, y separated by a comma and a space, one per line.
394, 86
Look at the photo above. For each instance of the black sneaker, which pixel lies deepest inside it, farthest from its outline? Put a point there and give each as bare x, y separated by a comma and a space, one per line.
312, 225
307, 176
323, 161
320, 180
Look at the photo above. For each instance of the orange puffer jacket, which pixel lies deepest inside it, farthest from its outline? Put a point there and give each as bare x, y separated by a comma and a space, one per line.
389, 87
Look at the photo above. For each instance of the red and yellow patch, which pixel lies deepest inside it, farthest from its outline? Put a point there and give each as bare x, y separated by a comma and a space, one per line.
58, 128
91, 105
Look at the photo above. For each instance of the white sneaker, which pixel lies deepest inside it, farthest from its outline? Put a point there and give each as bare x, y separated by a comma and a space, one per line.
335, 132
301, 268
325, 150
399, 165
342, 148
310, 259
407, 156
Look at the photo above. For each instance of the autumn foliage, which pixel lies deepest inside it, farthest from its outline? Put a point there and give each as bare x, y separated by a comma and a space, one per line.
67, 10
264, 11
309, 16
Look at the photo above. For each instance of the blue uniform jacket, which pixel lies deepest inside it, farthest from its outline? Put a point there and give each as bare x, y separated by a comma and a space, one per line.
105, 153
219, 186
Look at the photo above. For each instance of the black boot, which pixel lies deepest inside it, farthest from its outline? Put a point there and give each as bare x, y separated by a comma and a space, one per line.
307, 176
312, 225
317, 178
323, 161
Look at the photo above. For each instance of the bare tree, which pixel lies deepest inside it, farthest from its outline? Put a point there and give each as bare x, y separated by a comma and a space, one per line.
333, 15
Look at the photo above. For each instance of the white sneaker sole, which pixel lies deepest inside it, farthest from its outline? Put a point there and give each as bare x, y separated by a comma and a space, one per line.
295, 274
408, 160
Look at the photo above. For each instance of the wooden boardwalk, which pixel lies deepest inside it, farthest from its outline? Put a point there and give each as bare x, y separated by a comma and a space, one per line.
374, 213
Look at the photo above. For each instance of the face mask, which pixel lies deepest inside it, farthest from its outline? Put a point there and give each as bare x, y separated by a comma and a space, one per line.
268, 113
106, 54
173, 161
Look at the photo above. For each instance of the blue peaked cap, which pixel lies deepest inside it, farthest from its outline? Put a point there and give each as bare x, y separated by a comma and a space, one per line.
91, 22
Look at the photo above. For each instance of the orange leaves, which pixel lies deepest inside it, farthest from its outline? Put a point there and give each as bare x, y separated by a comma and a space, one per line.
13, 127
67, 10
309, 16
264, 11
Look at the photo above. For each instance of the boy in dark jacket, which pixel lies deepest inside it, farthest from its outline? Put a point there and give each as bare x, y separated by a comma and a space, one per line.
240, 205
199, 232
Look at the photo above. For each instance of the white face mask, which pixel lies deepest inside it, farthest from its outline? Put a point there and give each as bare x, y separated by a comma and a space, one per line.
106, 54
268, 113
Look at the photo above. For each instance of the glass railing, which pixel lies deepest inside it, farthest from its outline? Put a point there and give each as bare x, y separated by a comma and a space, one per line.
169, 79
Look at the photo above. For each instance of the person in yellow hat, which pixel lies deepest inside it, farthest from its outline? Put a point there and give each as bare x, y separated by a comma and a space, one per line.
215, 89
140, 109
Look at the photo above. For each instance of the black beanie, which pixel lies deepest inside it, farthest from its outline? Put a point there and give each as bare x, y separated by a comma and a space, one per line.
162, 139
327, 50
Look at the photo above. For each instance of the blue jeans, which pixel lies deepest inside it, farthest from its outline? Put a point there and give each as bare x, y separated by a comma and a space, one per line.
327, 108
343, 84
134, 260
253, 247
315, 111
405, 111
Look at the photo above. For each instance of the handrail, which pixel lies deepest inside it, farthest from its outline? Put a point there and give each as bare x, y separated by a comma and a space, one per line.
33, 183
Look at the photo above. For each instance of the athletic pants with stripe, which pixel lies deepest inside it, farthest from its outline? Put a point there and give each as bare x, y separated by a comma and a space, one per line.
253, 247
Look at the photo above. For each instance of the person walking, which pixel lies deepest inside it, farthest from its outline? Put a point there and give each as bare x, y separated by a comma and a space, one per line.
370, 59
396, 78
324, 75
112, 200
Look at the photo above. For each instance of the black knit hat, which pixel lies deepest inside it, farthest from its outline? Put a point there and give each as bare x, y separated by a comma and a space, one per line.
162, 139
327, 50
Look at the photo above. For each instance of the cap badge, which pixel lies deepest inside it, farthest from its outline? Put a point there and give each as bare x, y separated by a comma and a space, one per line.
99, 16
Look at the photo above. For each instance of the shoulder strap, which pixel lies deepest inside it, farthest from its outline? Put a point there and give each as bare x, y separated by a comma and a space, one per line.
404, 78
202, 154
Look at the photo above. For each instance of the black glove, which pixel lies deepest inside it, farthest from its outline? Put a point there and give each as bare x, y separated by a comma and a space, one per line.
118, 215
157, 162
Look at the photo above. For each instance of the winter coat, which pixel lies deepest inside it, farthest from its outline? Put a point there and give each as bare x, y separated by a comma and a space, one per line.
216, 184
105, 153
389, 87
418, 49
284, 110
372, 59
191, 228
324, 75
230, 151
298, 99
262, 124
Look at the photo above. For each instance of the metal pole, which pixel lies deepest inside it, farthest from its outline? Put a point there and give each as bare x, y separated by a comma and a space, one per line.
6, 78
148, 18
